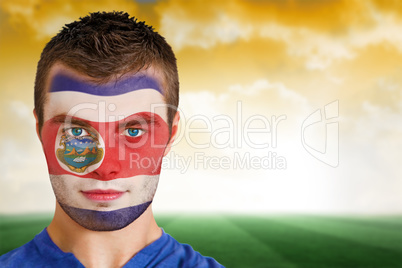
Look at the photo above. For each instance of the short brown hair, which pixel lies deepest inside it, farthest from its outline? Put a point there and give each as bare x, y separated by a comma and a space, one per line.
103, 45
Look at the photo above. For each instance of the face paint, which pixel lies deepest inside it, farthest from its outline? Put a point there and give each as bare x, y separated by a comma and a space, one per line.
62, 83
108, 144
80, 149
104, 164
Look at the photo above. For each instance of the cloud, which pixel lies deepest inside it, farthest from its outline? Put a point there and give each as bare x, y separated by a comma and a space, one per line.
263, 85
271, 107
319, 50
256, 96
46, 18
183, 32
369, 147
24, 184
321, 33
21, 110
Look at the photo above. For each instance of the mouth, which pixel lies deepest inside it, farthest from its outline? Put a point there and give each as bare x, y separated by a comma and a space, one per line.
102, 195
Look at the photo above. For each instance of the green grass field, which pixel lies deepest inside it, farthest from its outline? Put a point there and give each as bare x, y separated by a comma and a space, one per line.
263, 241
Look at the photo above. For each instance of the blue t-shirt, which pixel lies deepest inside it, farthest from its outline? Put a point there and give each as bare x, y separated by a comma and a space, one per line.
164, 252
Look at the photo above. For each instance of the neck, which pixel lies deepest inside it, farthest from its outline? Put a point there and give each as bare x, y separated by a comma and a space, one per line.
103, 249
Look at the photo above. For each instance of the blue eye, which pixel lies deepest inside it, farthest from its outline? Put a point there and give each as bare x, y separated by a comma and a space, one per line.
133, 132
76, 131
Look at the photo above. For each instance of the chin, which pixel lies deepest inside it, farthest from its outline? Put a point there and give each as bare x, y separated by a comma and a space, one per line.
102, 221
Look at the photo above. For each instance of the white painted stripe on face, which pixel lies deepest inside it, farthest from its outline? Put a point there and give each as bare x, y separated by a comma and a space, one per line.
136, 190
104, 109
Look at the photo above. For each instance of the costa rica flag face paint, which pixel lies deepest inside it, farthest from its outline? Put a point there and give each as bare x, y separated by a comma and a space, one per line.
80, 149
104, 145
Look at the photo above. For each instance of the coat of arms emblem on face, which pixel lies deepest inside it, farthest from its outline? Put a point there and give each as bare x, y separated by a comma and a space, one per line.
80, 149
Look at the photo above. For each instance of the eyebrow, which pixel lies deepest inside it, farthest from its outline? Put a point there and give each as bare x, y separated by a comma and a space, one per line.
61, 119
140, 120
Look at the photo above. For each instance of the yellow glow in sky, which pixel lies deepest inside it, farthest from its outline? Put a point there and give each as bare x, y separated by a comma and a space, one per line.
249, 59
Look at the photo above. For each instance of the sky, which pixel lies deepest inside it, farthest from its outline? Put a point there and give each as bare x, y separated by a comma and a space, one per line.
286, 106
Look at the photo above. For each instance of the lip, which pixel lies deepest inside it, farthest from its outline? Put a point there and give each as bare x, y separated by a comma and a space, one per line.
102, 195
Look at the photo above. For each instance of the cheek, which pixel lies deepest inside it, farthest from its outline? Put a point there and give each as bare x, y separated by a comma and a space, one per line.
63, 189
49, 135
135, 156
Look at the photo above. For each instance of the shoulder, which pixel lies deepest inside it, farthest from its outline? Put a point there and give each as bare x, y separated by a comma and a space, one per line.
167, 252
185, 256
20, 257
39, 252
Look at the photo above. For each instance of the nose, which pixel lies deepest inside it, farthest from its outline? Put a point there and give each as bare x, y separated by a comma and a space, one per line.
110, 167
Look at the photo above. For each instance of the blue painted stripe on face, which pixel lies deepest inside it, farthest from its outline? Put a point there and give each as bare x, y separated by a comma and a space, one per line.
63, 82
105, 220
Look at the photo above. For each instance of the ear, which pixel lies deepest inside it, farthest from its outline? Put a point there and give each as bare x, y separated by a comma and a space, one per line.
175, 126
37, 125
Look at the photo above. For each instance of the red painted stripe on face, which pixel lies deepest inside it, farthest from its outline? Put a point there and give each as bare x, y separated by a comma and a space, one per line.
105, 151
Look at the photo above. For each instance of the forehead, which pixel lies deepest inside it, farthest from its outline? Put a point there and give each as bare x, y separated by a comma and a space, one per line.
70, 93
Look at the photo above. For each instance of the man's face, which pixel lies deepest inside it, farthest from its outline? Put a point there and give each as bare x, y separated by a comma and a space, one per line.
104, 145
